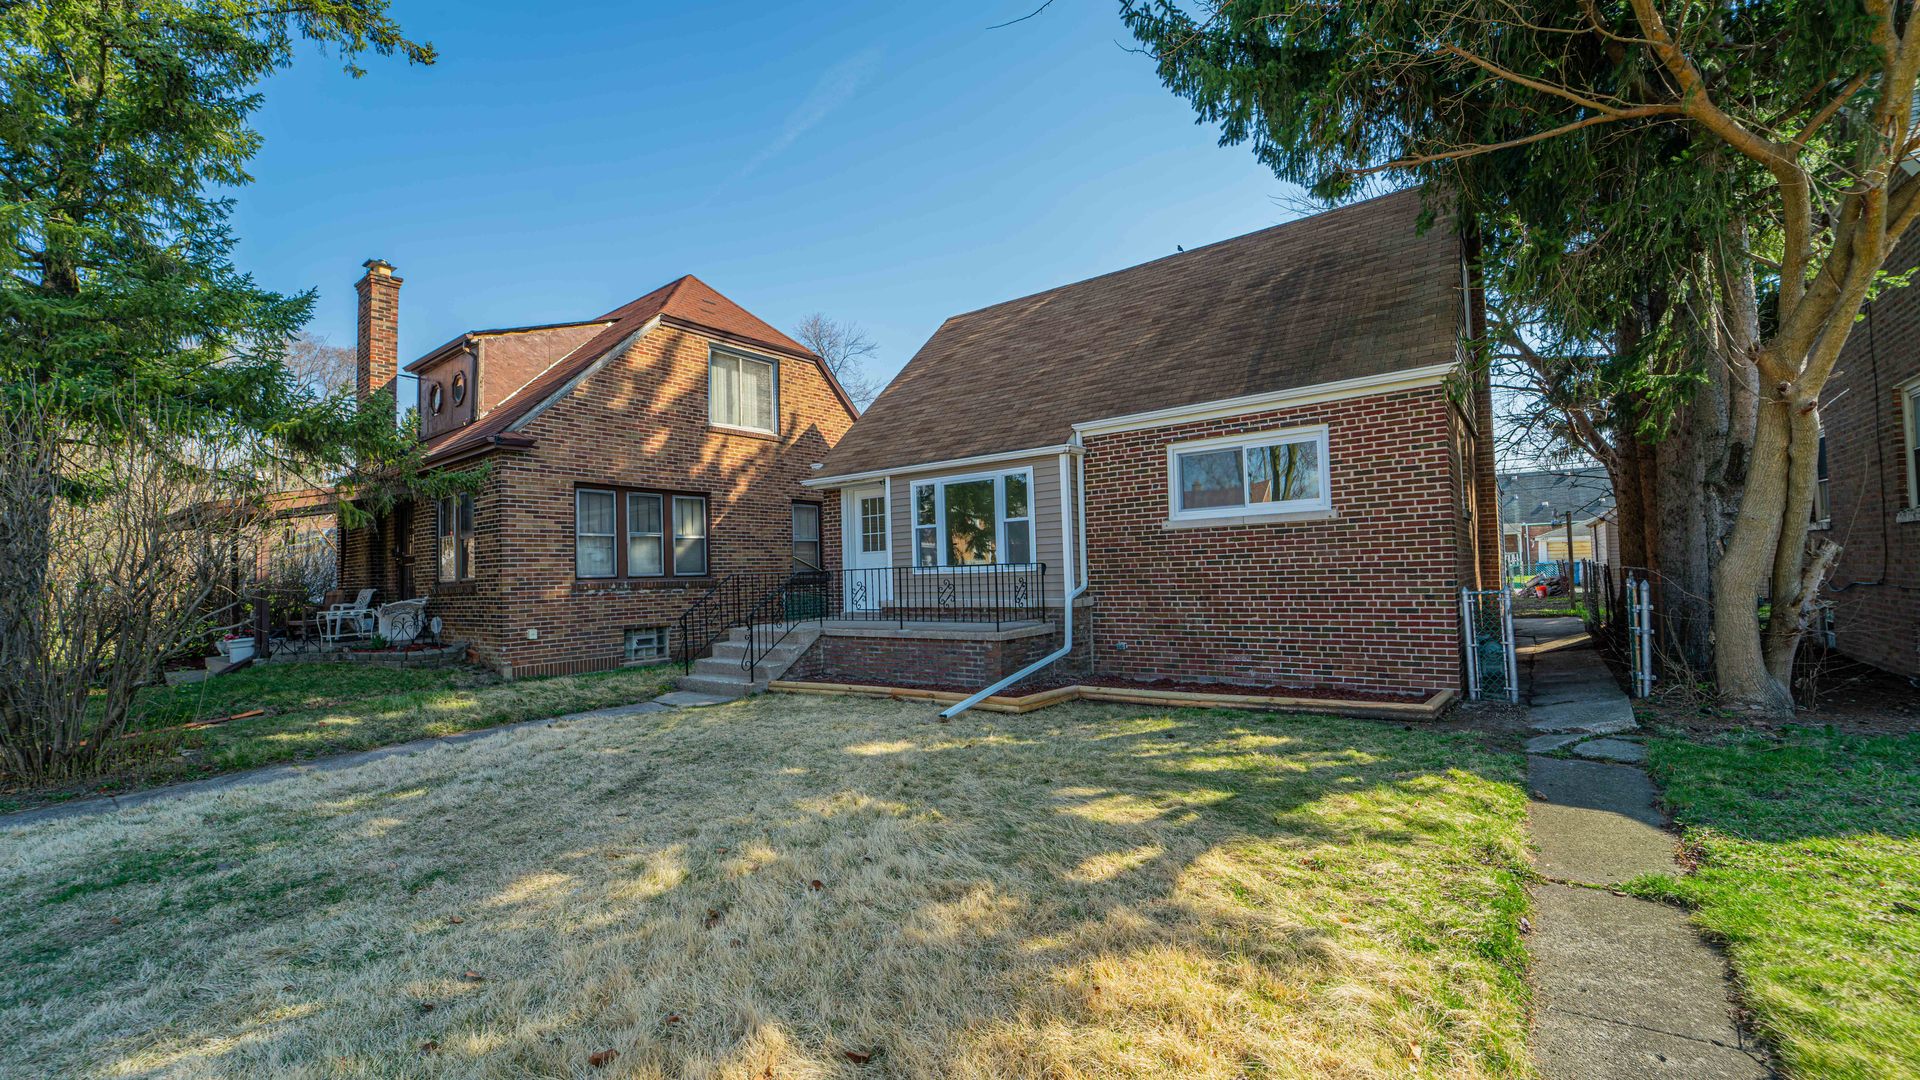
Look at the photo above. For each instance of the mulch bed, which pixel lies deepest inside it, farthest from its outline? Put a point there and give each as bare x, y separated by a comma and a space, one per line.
1054, 682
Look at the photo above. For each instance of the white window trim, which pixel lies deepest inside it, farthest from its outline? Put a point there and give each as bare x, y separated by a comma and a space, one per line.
1246, 510
774, 388
1000, 518
613, 502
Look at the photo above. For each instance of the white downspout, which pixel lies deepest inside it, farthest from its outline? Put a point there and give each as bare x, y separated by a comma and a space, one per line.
1067, 530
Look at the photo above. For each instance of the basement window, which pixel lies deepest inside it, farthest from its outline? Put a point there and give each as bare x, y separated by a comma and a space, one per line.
1275, 472
646, 643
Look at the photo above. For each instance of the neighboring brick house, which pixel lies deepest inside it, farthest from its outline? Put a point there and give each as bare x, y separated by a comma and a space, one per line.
1870, 486
633, 460
1285, 455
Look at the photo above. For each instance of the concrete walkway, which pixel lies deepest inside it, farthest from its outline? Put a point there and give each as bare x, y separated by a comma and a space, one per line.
1623, 988
677, 699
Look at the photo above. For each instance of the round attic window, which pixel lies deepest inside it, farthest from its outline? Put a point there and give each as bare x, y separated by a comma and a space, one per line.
459, 387
433, 398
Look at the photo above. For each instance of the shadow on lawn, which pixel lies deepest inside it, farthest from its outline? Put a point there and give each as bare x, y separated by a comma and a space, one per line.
1178, 892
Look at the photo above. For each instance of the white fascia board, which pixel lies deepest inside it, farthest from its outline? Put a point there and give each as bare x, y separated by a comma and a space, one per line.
934, 466
1408, 379
618, 350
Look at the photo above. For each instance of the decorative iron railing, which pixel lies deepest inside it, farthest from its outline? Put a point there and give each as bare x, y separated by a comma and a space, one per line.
771, 605
997, 594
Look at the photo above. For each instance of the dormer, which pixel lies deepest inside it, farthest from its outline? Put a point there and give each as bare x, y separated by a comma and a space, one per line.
463, 380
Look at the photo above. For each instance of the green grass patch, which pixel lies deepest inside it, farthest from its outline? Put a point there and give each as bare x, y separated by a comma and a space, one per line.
313, 710
1808, 851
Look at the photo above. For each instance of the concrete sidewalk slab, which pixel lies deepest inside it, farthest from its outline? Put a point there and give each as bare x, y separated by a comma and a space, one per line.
1623, 988
1619, 750
1595, 823
1626, 989
691, 699
1595, 718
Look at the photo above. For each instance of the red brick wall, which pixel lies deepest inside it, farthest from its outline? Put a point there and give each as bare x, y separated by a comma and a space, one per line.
1875, 586
1367, 600
377, 353
640, 421
968, 664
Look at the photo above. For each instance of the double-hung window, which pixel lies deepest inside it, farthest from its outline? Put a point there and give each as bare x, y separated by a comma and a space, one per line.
622, 533
742, 391
1275, 472
974, 520
646, 542
454, 533
806, 536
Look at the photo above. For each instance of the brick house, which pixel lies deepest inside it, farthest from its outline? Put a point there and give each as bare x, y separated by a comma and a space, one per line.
1870, 481
1284, 454
633, 461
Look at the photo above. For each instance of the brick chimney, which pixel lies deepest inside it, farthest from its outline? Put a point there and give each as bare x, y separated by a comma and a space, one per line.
377, 355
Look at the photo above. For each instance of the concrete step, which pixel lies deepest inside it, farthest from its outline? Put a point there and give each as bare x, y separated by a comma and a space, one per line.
784, 654
730, 688
721, 667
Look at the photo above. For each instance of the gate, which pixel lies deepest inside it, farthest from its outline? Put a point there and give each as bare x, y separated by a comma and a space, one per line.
1486, 627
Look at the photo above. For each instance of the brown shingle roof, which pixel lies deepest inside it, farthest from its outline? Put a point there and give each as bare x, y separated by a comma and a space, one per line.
687, 301
1352, 292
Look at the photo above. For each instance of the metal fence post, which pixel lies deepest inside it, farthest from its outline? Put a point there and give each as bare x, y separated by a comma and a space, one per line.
1506, 642
1472, 641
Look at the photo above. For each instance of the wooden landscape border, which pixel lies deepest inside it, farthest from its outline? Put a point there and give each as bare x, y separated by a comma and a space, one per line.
1025, 703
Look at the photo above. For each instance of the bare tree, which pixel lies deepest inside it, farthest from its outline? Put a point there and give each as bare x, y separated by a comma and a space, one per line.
845, 347
324, 367
141, 551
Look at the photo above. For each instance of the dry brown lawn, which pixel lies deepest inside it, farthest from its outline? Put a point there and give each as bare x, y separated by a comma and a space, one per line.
799, 888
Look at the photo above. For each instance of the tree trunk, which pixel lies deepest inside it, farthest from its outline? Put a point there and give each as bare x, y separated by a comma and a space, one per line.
1796, 571
1740, 666
1684, 552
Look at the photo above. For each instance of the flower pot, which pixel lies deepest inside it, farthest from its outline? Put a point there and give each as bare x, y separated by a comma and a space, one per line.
238, 649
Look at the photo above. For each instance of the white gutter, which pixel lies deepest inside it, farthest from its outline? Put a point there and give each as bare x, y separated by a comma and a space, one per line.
1067, 529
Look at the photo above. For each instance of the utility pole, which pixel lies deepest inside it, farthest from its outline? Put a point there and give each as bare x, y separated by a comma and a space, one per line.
1569, 574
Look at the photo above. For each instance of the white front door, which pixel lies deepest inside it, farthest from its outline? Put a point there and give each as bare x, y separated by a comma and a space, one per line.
866, 549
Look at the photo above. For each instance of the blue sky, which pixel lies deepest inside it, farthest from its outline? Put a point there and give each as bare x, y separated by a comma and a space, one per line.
881, 163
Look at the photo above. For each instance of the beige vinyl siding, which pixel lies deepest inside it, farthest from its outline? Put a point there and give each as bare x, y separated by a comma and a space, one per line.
1045, 510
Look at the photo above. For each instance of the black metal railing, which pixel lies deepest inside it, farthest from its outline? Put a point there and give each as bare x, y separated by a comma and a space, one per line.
779, 602
722, 608
996, 594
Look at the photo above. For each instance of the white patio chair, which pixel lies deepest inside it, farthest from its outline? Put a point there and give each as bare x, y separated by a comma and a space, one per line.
347, 620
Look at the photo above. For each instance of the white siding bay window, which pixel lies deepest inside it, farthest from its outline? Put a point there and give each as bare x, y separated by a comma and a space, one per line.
742, 392
974, 520
1271, 473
